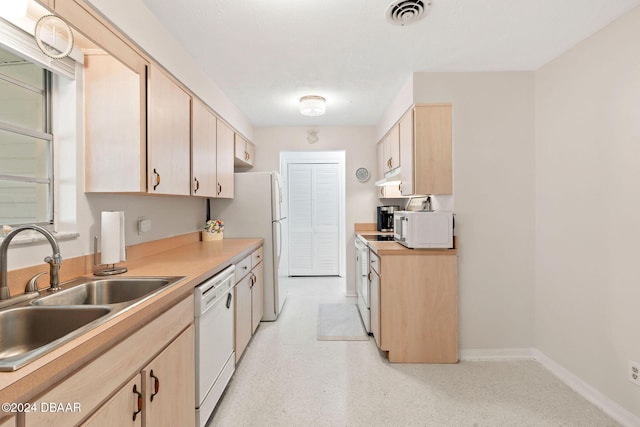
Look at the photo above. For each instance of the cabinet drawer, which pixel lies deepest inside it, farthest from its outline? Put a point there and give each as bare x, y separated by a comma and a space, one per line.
256, 257
374, 261
243, 268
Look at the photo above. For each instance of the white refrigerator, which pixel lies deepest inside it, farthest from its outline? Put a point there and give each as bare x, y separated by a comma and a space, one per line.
259, 209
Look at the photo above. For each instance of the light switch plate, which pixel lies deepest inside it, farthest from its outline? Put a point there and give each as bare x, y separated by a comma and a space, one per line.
144, 225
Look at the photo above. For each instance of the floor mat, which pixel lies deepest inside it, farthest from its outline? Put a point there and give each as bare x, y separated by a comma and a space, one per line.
340, 322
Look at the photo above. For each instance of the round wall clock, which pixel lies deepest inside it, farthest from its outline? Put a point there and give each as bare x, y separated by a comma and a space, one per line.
362, 174
53, 36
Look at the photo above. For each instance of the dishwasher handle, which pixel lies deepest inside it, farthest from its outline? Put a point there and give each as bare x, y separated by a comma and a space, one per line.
229, 297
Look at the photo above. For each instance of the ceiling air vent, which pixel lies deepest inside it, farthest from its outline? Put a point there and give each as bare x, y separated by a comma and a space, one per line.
405, 12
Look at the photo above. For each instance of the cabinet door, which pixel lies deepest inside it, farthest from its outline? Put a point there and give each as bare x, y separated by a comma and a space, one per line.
375, 306
115, 135
240, 149
224, 163
406, 153
203, 151
433, 150
169, 136
243, 314
257, 296
169, 387
251, 153
382, 168
124, 409
393, 142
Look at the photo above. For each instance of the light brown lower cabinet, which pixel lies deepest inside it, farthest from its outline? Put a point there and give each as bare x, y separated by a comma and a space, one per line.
257, 296
169, 384
375, 305
414, 306
167, 396
123, 410
104, 388
8, 422
243, 315
249, 299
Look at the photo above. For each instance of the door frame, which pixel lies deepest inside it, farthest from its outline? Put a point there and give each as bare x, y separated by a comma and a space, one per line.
339, 157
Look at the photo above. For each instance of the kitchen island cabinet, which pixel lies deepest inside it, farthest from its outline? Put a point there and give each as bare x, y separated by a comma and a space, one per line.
414, 314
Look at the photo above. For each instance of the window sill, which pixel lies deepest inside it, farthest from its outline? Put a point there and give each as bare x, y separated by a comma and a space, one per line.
28, 237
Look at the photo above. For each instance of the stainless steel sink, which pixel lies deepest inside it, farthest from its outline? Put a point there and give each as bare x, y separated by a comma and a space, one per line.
33, 328
105, 291
29, 332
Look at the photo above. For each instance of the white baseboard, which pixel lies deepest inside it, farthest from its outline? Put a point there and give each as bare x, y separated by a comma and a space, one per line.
608, 406
479, 354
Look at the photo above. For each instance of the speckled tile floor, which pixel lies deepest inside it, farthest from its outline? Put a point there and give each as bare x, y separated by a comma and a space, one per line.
288, 378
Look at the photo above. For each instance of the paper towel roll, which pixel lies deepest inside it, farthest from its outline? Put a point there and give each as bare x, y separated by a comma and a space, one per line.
112, 237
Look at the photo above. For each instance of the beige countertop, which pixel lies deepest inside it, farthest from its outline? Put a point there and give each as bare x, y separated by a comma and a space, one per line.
197, 261
393, 248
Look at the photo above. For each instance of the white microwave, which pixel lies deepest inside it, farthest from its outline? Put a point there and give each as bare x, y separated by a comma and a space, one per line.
423, 229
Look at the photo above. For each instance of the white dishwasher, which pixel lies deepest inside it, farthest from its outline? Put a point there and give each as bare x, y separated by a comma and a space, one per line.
215, 356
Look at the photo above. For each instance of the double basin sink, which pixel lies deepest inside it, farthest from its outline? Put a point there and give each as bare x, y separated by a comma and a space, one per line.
32, 329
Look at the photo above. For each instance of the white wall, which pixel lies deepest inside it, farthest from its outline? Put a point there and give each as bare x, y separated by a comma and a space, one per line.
359, 146
588, 209
400, 104
493, 178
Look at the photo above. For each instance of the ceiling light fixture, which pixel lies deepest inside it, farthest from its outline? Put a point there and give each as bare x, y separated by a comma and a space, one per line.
14, 8
312, 105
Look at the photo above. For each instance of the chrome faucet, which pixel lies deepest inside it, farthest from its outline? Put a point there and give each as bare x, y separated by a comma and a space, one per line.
54, 261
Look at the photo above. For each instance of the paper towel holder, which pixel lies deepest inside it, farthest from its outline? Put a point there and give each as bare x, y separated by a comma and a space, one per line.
108, 271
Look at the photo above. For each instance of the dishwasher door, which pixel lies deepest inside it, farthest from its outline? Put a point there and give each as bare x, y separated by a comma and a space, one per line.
214, 321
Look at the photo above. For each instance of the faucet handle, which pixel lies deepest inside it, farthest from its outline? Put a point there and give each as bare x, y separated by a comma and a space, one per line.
32, 284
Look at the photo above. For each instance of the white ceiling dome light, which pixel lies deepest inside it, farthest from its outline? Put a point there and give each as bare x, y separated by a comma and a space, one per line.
405, 12
312, 105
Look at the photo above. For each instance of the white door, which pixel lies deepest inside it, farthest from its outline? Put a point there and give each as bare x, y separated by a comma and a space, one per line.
314, 223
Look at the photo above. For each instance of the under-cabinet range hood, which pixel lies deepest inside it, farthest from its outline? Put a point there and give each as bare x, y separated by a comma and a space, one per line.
391, 178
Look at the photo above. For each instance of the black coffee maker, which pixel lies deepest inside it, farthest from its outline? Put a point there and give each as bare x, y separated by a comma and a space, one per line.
385, 217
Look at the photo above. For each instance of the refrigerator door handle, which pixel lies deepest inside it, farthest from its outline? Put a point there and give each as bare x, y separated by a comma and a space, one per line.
278, 237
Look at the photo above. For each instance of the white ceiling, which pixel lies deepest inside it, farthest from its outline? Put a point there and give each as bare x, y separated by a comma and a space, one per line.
266, 54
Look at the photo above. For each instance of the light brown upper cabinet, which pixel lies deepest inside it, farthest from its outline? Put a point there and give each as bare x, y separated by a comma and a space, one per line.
115, 131
224, 161
203, 151
426, 150
389, 152
169, 124
244, 152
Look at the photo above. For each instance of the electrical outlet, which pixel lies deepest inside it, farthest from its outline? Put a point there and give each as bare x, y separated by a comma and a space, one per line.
634, 372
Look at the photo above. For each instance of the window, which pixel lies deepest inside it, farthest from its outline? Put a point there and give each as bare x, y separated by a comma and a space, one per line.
26, 142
